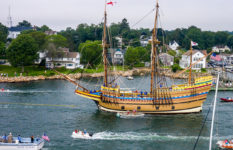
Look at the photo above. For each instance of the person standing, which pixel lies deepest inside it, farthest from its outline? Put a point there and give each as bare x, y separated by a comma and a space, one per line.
10, 138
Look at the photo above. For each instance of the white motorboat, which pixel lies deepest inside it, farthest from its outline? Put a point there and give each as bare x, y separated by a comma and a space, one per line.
225, 145
129, 114
130, 78
81, 135
25, 144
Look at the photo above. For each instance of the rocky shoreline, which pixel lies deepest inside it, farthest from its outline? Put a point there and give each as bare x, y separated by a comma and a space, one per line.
133, 72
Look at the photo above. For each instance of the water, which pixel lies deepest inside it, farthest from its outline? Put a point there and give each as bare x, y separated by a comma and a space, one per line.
51, 106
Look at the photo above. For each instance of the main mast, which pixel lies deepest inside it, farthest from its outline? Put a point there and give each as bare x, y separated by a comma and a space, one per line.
191, 58
104, 42
153, 50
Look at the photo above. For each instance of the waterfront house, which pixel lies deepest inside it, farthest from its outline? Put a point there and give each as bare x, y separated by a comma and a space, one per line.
15, 31
173, 45
118, 57
196, 55
69, 60
227, 58
166, 59
221, 48
144, 41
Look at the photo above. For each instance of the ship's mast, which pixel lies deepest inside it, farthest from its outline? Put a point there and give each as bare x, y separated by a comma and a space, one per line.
190, 71
104, 42
153, 51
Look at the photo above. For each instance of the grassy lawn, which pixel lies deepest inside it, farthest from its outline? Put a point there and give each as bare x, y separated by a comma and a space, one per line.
38, 70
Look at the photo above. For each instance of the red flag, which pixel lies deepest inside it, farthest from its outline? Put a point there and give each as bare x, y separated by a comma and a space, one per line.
110, 3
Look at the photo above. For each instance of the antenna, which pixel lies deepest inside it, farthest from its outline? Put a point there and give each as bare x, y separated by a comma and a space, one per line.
9, 18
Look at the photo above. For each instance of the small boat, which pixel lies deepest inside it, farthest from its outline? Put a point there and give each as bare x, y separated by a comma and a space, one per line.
228, 99
81, 135
129, 114
130, 77
4, 90
225, 144
25, 144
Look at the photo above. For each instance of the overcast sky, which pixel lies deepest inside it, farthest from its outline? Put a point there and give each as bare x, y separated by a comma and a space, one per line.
211, 15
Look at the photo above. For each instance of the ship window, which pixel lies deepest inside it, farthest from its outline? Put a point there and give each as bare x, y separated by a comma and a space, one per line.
122, 107
157, 107
173, 107
139, 107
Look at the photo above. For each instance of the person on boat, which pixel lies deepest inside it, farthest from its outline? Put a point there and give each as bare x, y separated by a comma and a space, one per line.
76, 131
4, 138
2, 89
10, 138
32, 139
84, 131
231, 141
19, 138
226, 141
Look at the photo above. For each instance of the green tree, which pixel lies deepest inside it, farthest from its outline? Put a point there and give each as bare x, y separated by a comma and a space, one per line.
44, 28
208, 38
134, 56
91, 52
2, 50
22, 51
24, 23
3, 33
230, 41
221, 37
38, 36
57, 40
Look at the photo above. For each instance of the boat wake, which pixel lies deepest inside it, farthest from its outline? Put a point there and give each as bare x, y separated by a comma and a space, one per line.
135, 136
29, 91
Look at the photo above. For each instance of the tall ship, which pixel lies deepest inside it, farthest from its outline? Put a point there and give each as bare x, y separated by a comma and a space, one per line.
165, 99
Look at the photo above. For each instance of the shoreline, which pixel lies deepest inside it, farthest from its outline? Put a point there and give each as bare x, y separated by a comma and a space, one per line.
133, 72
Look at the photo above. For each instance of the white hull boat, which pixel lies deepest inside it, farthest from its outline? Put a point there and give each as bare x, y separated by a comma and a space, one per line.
129, 114
24, 145
81, 135
223, 145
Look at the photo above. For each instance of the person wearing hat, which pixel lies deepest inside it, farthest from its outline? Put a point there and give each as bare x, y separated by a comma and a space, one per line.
10, 138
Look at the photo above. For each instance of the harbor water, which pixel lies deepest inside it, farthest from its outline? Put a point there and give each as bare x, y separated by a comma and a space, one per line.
52, 107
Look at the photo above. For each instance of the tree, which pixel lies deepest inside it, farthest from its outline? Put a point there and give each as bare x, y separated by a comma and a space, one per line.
221, 37
38, 36
22, 51
208, 38
24, 23
3, 33
2, 50
136, 55
91, 52
57, 40
230, 41
44, 28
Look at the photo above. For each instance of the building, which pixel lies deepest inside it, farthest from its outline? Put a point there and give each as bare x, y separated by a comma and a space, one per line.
196, 55
227, 58
15, 31
50, 32
173, 45
118, 57
69, 60
144, 41
221, 48
119, 41
166, 59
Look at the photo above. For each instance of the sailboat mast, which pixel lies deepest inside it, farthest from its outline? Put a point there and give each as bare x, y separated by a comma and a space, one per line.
104, 42
153, 50
191, 55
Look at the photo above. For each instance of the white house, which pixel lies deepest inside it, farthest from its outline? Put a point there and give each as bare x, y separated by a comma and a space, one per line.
119, 41
173, 45
50, 32
118, 57
145, 41
196, 55
15, 31
69, 60
221, 48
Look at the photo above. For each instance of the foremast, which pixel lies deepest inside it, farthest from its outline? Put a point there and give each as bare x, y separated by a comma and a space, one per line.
104, 44
154, 65
191, 58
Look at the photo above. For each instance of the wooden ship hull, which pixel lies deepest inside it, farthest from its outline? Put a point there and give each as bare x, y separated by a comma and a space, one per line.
176, 99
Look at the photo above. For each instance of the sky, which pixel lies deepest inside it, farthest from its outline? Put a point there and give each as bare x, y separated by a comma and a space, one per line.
211, 15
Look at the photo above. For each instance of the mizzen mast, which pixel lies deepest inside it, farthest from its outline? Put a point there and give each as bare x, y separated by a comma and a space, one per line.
154, 66
104, 43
